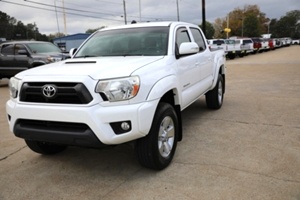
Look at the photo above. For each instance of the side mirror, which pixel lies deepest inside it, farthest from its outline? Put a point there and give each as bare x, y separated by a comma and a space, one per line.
188, 48
22, 52
72, 52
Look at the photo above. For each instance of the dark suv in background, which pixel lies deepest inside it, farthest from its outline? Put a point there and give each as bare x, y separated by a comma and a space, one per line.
21, 55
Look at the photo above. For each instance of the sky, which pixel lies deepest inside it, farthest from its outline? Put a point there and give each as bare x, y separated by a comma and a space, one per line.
81, 15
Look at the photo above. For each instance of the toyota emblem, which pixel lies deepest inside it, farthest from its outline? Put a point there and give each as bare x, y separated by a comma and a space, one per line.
49, 91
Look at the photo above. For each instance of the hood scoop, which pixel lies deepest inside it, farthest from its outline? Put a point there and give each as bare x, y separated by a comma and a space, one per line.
81, 62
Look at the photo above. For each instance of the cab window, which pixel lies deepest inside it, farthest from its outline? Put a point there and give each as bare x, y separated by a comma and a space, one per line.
19, 47
198, 38
7, 49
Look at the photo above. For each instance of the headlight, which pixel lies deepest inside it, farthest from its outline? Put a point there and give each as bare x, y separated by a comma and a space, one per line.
53, 59
118, 89
50, 59
13, 87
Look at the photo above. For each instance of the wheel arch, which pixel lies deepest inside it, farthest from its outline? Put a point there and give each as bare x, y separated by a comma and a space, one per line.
166, 90
171, 98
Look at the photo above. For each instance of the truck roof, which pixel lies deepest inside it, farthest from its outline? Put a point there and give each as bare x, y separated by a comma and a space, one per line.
146, 24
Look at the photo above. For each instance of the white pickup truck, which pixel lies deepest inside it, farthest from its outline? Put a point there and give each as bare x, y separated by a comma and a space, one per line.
127, 83
235, 47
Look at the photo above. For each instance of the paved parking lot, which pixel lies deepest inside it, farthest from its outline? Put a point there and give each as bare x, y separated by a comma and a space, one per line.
250, 149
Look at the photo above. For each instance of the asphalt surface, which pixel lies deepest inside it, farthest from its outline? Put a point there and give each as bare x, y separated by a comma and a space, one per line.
249, 149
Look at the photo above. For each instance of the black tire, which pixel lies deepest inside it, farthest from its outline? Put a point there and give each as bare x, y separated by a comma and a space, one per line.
214, 98
45, 148
231, 56
156, 150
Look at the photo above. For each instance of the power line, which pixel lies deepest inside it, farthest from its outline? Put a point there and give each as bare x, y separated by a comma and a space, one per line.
75, 4
110, 2
77, 10
145, 18
69, 13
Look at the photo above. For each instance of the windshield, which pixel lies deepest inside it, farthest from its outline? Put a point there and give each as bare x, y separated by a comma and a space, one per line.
43, 48
147, 41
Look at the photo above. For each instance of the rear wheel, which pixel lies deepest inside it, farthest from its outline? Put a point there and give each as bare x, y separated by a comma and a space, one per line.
156, 150
45, 148
231, 56
214, 98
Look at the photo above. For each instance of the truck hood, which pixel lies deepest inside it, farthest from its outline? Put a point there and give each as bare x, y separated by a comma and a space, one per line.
57, 56
96, 68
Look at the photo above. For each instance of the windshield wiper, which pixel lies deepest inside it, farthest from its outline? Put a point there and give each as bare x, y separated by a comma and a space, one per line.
132, 54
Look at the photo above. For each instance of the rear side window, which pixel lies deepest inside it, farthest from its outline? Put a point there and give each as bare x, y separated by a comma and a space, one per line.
7, 49
229, 41
247, 42
218, 42
199, 38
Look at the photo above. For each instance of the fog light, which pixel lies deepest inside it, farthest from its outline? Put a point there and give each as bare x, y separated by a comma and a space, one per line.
125, 126
121, 127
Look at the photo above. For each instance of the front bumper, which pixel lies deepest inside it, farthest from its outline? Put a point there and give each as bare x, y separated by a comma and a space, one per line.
96, 118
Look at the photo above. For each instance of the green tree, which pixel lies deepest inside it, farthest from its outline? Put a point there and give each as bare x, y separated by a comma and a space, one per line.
288, 25
94, 30
210, 31
55, 35
219, 26
6, 25
250, 26
248, 22
12, 29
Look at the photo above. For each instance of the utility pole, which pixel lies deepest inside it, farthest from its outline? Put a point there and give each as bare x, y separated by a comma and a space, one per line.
177, 11
125, 18
243, 26
65, 21
140, 11
56, 19
203, 18
227, 25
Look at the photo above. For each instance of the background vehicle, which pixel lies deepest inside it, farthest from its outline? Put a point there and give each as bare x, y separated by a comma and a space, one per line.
236, 47
256, 44
264, 45
248, 44
21, 55
296, 41
217, 44
272, 44
127, 83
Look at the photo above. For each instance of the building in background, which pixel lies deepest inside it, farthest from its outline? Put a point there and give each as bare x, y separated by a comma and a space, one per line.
71, 41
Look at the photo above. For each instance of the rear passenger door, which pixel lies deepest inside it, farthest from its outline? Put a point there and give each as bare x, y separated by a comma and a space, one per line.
204, 60
187, 68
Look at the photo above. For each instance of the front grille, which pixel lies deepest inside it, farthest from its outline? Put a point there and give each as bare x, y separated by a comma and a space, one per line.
66, 93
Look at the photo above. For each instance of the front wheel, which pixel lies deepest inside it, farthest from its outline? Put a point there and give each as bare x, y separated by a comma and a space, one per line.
156, 150
214, 98
45, 147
